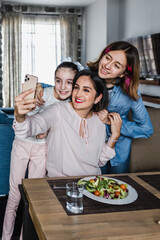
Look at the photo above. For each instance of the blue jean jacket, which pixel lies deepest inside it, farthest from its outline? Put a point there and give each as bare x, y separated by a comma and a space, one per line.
140, 127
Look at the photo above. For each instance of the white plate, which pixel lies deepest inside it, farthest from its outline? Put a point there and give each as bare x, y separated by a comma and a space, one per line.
132, 194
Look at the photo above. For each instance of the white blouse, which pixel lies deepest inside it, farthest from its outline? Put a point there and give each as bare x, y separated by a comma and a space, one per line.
68, 154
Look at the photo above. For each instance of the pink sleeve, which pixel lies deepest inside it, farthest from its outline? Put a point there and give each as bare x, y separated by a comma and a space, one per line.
106, 154
30, 127
37, 123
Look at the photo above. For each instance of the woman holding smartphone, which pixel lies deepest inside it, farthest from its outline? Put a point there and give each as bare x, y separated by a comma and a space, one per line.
74, 149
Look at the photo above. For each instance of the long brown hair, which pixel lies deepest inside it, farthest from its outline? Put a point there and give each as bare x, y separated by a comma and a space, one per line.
129, 83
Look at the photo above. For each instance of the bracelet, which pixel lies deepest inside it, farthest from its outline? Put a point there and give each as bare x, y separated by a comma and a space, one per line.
112, 140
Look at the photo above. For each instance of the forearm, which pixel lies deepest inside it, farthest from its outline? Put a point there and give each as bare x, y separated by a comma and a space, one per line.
112, 141
106, 154
32, 126
21, 129
137, 130
140, 126
20, 118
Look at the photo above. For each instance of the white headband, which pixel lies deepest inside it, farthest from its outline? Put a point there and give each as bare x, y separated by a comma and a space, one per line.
68, 59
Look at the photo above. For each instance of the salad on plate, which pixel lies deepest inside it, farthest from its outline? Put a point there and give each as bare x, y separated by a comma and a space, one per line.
106, 188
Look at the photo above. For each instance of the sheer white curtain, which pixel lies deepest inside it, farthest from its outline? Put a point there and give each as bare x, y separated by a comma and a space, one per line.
26, 49
11, 57
41, 46
69, 36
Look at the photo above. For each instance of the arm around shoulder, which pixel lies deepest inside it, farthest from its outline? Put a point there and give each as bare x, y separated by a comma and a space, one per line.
140, 125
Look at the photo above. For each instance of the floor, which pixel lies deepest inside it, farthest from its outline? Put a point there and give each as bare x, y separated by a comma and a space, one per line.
18, 222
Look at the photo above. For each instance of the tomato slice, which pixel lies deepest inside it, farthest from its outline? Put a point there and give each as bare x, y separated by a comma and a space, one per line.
123, 187
91, 180
117, 193
97, 193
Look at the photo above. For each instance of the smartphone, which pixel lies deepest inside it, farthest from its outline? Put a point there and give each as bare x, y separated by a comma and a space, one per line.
30, 81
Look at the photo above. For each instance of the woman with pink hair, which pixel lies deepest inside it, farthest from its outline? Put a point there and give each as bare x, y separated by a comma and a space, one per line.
119, 67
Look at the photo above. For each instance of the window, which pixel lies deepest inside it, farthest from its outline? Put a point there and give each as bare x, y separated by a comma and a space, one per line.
35, 44
41, 47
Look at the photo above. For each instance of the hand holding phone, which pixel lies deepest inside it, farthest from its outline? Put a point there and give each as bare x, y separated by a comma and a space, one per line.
30, 82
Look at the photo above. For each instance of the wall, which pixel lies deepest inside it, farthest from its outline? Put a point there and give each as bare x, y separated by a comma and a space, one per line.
113, 20
139, 17
124, 19
96, 28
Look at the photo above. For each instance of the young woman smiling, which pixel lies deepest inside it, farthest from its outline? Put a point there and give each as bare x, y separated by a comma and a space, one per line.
118, 66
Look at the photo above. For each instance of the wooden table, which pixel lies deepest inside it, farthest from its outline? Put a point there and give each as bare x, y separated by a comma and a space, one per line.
52, 222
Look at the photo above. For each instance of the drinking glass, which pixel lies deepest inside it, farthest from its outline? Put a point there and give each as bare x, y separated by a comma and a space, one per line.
74, 197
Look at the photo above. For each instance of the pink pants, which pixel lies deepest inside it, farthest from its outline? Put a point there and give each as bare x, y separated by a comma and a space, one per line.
23, 154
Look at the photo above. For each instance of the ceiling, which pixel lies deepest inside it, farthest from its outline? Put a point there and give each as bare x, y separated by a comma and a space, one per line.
73, 3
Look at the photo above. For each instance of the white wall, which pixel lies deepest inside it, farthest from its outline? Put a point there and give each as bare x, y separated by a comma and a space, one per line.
113, 20
139, 17
96, 29
107, 21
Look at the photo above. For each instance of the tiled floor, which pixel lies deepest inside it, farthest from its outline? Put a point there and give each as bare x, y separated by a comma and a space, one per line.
17, 229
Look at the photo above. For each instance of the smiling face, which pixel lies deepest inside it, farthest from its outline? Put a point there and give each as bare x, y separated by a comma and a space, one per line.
112, 65
63, 83
84, 96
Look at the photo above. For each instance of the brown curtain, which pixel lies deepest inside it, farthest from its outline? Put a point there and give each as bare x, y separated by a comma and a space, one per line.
11, 54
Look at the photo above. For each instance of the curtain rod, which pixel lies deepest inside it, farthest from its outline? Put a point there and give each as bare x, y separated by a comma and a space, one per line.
52, 14
46, 14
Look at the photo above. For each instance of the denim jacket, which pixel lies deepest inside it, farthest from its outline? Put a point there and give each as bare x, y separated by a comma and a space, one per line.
140, 127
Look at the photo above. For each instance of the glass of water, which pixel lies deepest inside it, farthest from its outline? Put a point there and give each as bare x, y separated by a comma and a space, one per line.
74, 197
